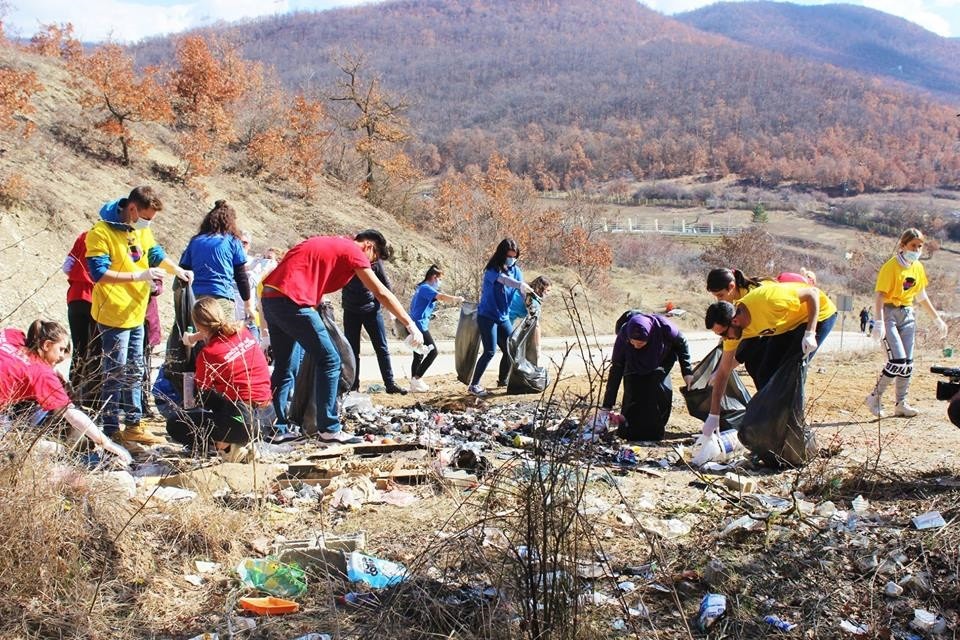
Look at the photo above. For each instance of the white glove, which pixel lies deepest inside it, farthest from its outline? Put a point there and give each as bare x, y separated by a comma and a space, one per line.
185, 274
525, 289
942, 326
879, 332
415, 339
149, 275
711, 425
190, 339
122, 454
809, 343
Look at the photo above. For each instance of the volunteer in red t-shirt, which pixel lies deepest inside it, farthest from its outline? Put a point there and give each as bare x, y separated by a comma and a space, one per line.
82, 325
27, 375
291, 293
232, 383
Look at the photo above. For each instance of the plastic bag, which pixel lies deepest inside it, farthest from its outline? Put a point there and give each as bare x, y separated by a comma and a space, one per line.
467, 342
697, 395
303, 403
273, 577
179, 358
524, 377
373, 571
773, 426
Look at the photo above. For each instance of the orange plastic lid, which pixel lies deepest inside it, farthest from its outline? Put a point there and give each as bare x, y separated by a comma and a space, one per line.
269, 606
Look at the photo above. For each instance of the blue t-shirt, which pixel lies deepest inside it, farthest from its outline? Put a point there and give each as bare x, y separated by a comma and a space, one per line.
495, 298
422, 305
212, 258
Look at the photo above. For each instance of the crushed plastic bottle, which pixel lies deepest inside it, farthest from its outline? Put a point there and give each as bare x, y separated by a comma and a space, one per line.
712, 608
719, 447
423, 349
779, 623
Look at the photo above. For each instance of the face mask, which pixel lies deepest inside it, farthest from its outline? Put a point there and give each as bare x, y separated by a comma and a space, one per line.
439, 283
511, 261
142, 223
910, 256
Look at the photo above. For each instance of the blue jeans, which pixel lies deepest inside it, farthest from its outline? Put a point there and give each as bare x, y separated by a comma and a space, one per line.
122, 376
372, 321
493, 333
289, 325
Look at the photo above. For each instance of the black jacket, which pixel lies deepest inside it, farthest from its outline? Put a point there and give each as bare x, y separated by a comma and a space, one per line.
356, 298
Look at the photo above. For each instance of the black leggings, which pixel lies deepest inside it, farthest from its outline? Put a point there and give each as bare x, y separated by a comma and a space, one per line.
422, 363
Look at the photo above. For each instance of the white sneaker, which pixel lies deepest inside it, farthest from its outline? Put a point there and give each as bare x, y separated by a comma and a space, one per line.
873, 404
477, 390
342, 437
417, 385
903, 410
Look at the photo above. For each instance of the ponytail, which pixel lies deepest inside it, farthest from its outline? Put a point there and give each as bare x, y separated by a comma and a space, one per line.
41, 331
208, 314
434, 270
720, 279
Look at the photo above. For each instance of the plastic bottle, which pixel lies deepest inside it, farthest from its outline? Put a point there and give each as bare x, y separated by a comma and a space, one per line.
423, 349
719, 447
712, 608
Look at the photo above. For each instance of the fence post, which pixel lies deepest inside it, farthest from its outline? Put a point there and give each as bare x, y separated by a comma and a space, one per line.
656, 225
711, 227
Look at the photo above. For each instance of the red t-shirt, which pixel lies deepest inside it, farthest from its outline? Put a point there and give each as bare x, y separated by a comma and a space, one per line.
235, 367
81, 284
318, 265
23, 376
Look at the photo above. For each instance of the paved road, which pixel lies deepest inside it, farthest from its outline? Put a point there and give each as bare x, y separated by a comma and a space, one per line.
555, 348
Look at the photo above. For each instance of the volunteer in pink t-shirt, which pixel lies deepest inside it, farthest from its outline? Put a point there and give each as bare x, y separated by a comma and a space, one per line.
27, 375
291, 293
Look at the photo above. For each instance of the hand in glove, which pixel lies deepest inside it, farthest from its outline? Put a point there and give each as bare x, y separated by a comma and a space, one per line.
879, 332
525, 289
942, 326
185, 274
122, 454
809, 343
415, 339
711, 425
149, 275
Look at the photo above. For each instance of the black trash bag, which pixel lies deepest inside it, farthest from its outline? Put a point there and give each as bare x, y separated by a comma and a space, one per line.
697, 395
774, 427
524, 376
466, 344
178, 358
624, 317
303, 402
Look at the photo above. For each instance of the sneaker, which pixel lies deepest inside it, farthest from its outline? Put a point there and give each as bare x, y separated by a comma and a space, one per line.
903, 410
501, 383
393, 388
873, 404
341, 437
477, 390
139, 434
417, 385
238, 453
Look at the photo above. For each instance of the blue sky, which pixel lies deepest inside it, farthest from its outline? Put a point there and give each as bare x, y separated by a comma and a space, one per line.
129, 21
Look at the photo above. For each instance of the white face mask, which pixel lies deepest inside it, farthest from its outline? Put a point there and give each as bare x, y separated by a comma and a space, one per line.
142, 223
910, 256
511, 262
439, 282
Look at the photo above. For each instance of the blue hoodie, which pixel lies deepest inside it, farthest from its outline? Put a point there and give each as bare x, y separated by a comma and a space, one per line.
110, 213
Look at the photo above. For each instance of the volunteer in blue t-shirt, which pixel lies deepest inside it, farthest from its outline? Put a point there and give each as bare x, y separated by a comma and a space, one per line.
501, 280
422, 304
218, 261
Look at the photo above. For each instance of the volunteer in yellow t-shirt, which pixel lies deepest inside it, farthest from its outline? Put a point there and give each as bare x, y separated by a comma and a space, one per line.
123, 260
901, 282
790, 318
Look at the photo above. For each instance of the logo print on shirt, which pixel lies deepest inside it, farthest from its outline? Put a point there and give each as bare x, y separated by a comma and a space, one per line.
908, 283
135, 251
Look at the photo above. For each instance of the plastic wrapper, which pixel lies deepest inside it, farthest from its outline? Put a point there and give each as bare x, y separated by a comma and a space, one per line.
525, 376
272, 576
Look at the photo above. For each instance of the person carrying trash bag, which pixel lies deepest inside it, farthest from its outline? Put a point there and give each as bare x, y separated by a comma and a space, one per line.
786, 319
646, 348
901, 281
291, 295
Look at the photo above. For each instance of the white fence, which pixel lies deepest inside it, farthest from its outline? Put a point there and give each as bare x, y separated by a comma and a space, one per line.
675, 227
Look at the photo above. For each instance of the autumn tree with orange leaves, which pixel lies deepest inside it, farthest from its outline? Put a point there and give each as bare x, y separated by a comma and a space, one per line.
210, 79
120, 96
56, 41
293, 150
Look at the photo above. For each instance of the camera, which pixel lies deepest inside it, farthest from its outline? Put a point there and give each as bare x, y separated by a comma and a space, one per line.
949, 390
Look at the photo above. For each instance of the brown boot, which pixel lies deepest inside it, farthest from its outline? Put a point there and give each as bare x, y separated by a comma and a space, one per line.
139, 434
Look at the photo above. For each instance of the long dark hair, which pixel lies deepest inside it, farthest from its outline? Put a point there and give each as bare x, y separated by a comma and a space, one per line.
221, 220
42, 330
720, 279
433, 270
499, 258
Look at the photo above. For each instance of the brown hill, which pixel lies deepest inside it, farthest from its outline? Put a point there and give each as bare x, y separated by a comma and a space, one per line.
579, 91
848, 36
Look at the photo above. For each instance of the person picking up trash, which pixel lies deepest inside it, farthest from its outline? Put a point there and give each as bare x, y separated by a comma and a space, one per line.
291, 294
646, 348
901, 281
422, 305
768, 325
27, 375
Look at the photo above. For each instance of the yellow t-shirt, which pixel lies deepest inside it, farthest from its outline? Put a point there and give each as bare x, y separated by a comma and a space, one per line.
900, 285
120, 305
776, 308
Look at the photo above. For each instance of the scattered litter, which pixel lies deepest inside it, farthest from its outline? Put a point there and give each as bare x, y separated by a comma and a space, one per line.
639, 610
399, 498
825, 509
195, 580
354, 599
272, 576
173, 494
626, 586
269, 606
206, 567
206, 636
740, 483
595, 598
375, 572
712, 608
619, 624
669, 529
855, 629
624, 518
860, 505
315, 636
745, 523
779, 623
928, 622
929, 520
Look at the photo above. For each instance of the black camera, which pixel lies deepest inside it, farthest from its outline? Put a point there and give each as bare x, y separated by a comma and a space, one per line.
949, 390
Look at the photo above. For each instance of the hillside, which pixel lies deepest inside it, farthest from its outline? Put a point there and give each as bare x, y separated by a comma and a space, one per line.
851, 37
580, 92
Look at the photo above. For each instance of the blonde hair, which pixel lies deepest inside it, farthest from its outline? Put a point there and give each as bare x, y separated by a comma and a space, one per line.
208, 314
910, 235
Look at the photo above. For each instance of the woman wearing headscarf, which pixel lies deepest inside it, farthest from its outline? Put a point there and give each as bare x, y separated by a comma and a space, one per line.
645, 351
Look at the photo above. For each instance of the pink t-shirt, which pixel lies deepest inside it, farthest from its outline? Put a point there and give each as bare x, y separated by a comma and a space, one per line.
236, 367
23, 376
318, 265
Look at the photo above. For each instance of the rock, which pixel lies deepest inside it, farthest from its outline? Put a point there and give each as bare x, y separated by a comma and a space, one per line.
241, 478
